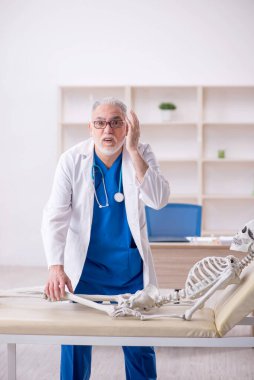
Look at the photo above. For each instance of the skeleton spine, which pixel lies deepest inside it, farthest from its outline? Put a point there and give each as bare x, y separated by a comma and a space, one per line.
247, 259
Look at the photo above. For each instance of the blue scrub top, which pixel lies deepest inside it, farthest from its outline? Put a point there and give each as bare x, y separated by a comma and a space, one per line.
113, 264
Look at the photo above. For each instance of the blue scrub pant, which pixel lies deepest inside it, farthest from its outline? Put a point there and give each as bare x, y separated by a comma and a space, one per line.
140, 362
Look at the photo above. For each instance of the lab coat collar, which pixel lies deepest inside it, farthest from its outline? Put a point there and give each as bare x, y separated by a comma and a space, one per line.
87, 148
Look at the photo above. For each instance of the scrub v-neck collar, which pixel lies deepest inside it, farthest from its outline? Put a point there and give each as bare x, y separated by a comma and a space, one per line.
103, 167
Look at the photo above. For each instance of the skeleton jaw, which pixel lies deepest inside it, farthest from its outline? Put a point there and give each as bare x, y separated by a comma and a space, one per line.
241, 244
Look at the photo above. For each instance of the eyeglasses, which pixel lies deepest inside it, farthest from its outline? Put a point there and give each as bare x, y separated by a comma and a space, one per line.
101, 124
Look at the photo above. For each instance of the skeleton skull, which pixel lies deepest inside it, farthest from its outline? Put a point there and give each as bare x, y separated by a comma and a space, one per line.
243, 241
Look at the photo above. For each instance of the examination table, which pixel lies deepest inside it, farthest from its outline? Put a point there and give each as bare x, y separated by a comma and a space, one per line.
33, 320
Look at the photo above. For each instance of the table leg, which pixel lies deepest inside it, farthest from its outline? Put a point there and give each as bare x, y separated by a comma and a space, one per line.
11, 353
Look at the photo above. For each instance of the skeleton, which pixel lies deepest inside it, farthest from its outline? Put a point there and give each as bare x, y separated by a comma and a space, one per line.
204, 278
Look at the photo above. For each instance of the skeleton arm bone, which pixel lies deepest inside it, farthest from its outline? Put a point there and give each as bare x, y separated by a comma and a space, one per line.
39, 291
108, 309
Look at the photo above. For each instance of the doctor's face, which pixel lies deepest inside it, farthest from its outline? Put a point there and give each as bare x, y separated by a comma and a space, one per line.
108, 128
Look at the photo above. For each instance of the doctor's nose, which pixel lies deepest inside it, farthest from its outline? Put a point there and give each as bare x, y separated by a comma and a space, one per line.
108, 128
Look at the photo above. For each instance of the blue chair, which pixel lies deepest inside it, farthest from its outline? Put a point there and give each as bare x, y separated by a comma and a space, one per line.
174, 220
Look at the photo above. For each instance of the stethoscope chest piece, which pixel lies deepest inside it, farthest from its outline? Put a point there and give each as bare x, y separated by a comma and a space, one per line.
119, 197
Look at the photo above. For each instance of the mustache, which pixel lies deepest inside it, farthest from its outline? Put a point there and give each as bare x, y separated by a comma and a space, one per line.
109, 137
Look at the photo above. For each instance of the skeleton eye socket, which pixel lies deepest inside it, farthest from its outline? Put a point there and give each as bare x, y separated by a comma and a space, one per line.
244, 229
232, 261
250, 233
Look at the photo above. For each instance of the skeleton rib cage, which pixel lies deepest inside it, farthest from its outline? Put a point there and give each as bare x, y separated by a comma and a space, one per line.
204, 273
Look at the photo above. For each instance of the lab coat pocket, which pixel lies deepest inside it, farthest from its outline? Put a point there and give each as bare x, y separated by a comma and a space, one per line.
135, 262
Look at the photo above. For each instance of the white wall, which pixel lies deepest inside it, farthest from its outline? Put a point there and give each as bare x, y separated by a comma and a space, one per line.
50, 42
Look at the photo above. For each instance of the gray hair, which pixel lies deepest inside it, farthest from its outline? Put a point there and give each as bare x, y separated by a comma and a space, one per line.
112, 101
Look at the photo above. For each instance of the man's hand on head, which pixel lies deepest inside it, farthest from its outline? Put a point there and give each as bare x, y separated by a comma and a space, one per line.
133, 133
132, 140
55, 286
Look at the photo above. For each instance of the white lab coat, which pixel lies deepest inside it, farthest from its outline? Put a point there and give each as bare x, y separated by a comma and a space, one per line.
68, 215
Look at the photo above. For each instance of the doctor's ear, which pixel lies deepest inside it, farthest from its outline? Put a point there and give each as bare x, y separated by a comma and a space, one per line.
90, 128
127, 121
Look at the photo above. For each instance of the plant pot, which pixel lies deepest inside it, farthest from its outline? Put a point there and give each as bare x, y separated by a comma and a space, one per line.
166, 115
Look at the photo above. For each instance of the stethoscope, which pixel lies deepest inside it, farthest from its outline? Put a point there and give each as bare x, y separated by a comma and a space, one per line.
118, 196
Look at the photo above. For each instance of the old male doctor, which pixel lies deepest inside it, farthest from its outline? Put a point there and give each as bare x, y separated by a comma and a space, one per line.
94, 225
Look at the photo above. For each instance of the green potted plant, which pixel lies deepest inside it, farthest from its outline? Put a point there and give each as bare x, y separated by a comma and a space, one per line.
166, 110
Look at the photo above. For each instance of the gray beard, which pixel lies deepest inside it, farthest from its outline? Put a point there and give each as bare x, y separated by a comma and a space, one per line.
110, 151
